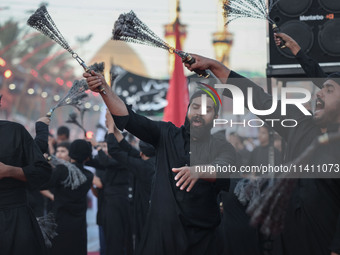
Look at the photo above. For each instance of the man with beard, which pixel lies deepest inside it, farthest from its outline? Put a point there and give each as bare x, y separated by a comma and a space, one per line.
312, 223
184, 213
22, 167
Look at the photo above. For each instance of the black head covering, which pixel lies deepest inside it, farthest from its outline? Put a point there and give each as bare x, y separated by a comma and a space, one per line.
80, 150
147, 149
335, 77
199, 93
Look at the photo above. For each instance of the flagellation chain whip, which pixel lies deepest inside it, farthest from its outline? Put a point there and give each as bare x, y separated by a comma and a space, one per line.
257, 9
42, 21
129, 28
74, 96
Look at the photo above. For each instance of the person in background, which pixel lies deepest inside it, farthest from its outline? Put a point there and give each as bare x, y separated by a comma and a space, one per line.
70, 201
63, 134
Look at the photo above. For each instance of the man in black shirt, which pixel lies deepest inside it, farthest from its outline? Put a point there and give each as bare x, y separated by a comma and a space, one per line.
184, 213
22, 167
312, 224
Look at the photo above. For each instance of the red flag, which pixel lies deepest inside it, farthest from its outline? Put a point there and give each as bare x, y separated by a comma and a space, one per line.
178, 95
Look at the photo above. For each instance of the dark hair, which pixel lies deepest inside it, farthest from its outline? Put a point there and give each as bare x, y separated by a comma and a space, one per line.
64, 144
63, 131
335, 77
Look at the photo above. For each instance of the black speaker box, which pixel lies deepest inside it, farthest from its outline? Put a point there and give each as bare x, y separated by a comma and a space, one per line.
315, 25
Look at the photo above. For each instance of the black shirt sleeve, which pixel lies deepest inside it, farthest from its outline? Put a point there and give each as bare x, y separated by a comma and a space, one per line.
124, 145
105, 160
131, 162
41, 138
311, 68
37, 170
145, 129
335, 246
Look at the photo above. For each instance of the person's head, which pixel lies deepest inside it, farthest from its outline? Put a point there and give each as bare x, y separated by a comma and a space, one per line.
62, 151
80, 151
327, 110
263, 135
146, 150
201, 124
103, 145
63, 134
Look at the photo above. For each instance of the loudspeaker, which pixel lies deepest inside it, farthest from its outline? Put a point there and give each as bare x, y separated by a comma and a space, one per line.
315, 25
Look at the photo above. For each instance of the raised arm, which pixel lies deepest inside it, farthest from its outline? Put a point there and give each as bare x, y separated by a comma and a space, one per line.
140, 126
41, 130
308, 64
113, 139
115, 105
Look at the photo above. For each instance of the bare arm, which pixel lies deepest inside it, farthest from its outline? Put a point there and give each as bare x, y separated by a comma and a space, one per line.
218, 69
308, 64
290, 42
14, 172
115, 105
97, 182
112, 129
47, 194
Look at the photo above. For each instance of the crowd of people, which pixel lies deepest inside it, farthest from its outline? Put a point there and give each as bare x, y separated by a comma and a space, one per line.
176, 210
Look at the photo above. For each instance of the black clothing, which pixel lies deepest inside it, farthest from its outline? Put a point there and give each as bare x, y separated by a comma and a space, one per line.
244, 156
240, 238
311, 68
35, 199
260, 156
311, 225
236, 222
180, 222
41, 138
69, 208
100, 197
80, 150
19, 230
115, 210
143, 170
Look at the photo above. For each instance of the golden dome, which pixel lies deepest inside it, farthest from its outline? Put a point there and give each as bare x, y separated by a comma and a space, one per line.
119, 53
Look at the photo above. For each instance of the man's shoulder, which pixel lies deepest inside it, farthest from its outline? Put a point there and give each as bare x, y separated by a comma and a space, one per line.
12, 126
11, 123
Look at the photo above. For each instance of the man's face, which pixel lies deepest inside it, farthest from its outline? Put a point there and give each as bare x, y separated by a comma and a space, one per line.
103, 145
62, 153
197, 120
327, 108
62, 138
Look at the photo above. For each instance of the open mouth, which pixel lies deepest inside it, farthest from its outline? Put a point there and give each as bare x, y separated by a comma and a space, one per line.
197, 121
320, 105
